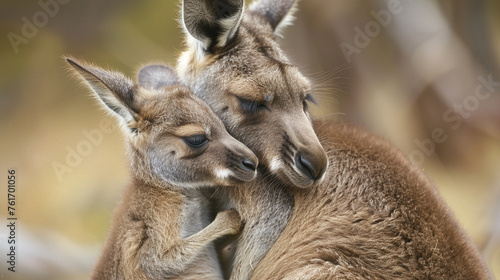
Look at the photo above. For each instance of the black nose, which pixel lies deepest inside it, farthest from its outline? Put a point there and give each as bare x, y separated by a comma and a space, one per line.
248, 165
306, 166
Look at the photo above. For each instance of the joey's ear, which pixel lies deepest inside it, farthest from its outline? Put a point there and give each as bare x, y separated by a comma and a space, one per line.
213, 23
113, 88
280, 14
156, 76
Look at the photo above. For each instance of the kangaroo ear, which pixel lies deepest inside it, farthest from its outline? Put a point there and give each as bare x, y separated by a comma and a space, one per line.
156, 76
113, 88
280, 14
214, 23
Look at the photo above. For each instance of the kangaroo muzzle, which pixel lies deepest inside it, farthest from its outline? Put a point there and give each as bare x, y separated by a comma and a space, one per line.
309, 158
241, 161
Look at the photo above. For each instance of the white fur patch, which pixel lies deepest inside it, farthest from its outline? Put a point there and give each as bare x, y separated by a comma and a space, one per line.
322, 178
275, 164
222, 173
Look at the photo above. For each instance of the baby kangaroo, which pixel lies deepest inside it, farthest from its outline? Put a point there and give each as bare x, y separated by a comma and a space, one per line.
176, 146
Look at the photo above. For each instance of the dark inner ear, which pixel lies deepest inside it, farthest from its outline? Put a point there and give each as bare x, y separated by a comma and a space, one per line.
156, 76
207, 21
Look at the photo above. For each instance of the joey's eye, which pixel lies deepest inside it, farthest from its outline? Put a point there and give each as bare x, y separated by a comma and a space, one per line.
196, 141
251, 106
308, 98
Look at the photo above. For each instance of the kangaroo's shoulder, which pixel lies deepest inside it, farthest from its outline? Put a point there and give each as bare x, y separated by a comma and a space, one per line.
364, 163
371, 178
356, 150
375, 215
357, 141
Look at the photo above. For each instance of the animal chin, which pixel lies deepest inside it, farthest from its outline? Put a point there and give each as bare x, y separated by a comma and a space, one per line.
299, 180
292, 176
244, 176
285, 170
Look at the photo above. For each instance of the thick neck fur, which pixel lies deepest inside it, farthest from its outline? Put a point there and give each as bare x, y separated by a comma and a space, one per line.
265, 206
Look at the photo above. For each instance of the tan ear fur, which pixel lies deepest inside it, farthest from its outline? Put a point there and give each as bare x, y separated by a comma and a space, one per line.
113, 89
279, 14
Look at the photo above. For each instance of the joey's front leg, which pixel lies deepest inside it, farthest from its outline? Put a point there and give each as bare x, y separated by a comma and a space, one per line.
160, 261
227, 222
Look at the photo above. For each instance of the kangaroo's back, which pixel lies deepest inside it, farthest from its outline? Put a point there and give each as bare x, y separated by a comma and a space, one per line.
375, 216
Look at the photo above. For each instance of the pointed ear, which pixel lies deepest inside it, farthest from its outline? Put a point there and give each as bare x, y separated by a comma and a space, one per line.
280, 14
112, 88
213, 23
156, 76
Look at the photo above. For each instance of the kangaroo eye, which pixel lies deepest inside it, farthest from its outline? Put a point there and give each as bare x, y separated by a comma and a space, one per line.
196, 141
308, 98
251, 106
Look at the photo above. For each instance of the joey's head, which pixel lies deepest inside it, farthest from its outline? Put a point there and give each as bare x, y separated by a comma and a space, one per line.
235, 65
173, 137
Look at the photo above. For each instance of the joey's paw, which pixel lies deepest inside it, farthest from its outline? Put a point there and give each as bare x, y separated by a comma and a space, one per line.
230, 221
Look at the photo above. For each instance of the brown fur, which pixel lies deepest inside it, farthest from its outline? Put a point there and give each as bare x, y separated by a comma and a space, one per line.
162, 228
375, 216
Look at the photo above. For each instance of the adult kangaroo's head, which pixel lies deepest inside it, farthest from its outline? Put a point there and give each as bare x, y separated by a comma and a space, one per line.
234, 63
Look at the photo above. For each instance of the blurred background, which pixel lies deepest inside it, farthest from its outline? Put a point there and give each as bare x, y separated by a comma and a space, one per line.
423, 74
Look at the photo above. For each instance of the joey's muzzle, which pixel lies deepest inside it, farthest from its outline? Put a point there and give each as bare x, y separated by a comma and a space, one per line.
241, 162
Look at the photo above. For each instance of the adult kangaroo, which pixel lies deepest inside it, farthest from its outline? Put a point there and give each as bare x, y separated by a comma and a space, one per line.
370, 215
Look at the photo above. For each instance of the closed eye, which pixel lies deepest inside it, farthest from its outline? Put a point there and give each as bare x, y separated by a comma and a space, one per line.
308, 98
196, 141
251, 106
